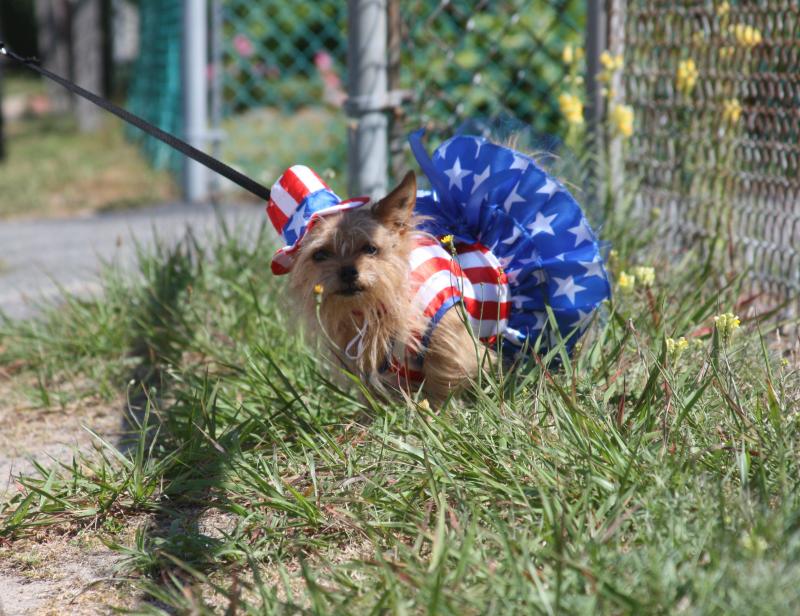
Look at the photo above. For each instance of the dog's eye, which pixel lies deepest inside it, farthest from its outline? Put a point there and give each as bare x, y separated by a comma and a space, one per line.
369, 249
320, 255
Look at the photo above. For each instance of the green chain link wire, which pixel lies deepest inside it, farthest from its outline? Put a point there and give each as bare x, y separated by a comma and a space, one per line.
462, 59
467, 60
155, 90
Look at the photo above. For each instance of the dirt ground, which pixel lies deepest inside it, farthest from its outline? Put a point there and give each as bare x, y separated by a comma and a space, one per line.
53, 572
63, 570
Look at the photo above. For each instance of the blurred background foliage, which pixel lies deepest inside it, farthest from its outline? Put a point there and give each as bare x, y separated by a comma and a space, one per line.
499, 59
460, 60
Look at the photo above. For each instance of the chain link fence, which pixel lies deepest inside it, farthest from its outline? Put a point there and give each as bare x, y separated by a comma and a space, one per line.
716, 91
283, 73
463, 59
282, 86
487, 61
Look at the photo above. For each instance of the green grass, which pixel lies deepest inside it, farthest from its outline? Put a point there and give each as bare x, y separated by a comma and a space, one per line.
627, 482
22, 84
264, 142
53, 170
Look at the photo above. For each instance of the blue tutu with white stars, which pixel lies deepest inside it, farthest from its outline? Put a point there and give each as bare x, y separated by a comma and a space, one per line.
493, 195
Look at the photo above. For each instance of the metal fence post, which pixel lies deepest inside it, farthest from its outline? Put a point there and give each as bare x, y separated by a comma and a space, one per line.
367, 97
215, 134
87, 59
596, 41
397, 140
2, 119
615, 29
195, 101
53, 18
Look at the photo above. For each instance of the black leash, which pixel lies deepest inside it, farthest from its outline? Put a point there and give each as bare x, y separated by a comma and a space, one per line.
250, 185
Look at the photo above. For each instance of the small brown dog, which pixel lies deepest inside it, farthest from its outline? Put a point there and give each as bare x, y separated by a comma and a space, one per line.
420, 287
357, 261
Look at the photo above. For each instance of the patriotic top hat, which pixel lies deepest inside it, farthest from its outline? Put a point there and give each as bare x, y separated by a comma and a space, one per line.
296, 201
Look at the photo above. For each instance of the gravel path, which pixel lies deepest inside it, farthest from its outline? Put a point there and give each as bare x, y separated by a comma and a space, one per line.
39, 256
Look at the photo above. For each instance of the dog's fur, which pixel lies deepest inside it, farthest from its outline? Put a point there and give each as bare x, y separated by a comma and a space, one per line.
350, 275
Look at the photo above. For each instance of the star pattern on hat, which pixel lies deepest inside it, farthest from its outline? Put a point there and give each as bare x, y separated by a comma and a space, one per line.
296, 223
442, 151
518, 300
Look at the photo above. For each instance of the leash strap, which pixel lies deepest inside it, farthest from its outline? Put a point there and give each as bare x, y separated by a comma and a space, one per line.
250, 185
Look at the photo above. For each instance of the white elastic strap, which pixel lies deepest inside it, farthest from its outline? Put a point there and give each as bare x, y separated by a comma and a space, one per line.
357, 342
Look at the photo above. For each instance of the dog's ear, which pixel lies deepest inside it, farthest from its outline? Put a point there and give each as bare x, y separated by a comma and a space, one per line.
395, 208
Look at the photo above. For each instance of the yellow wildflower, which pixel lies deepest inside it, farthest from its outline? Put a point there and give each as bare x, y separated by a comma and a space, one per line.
725, 52
571, 108
424, 405
723, 8
753, 543
568, 55
687, 76
319, 289
621, 117
626, 282
611, 63
645, 275
676, 347
727, 324
699, 38
731, 110
746, 36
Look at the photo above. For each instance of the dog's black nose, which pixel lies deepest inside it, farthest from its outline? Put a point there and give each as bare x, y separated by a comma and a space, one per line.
348, 274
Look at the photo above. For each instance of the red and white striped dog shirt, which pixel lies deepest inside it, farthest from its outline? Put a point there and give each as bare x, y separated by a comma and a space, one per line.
441, 280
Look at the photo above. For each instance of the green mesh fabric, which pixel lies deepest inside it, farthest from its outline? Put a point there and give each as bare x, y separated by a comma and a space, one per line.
155, 89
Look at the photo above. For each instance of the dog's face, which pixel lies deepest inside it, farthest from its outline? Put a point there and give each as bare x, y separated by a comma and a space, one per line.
358, 257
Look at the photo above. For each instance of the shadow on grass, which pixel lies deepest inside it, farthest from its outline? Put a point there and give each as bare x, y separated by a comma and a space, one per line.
225, 412
188, 441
